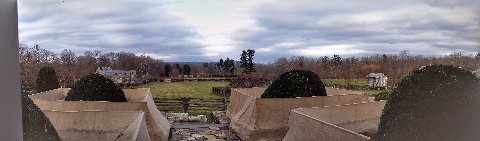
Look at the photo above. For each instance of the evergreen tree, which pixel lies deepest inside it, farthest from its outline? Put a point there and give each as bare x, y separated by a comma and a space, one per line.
220, 65
229, 66
168, 70
250, 65
246, 61
186, 69
46, 79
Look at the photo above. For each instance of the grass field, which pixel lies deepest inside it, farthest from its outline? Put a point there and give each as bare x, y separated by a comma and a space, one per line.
203, 89
358, 82
192, 89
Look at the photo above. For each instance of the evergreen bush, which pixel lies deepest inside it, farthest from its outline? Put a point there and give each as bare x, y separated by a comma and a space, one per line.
36, 126
296, 83
95, 87
46, 80
435, 103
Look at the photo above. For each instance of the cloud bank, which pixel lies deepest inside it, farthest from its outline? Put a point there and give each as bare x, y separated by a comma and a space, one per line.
357, 28
274, 28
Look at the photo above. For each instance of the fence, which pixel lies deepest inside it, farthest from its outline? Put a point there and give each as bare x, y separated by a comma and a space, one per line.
186, 104
221, 91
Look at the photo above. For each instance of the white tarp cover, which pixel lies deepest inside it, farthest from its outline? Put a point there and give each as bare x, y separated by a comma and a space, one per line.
138, 100
255, 118
99, 125
349, 122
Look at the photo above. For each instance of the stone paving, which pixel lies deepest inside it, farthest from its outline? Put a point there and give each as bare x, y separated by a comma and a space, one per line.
203, 134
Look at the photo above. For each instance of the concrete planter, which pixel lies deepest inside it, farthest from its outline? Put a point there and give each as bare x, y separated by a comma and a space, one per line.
255, 118
140, 102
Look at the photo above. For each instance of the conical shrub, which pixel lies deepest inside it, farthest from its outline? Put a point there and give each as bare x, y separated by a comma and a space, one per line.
95, 87
36, 126
435, 103
296, 83
46, 79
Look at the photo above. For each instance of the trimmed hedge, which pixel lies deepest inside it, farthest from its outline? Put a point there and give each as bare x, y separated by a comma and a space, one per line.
46, 80
385, 95
36, 126
95, 87
296, 83
438, 103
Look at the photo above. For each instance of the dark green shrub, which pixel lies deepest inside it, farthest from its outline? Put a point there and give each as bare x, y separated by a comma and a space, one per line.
95, 87
46, 79
296, 83
385, 95
436, 103
36, 126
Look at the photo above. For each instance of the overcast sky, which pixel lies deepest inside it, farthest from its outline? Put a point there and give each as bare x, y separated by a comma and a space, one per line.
207, 30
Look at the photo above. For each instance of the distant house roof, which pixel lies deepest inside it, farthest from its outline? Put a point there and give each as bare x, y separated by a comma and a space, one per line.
108, 72
375, 75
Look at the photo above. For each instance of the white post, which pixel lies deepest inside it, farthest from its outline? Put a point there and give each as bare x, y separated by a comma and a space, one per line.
10, 103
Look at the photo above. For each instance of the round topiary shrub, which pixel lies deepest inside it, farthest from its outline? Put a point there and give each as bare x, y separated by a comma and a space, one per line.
95, 87
435, 103
296, 83
46, 79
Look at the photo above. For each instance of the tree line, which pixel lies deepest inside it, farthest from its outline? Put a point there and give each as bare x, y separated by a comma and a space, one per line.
70, 66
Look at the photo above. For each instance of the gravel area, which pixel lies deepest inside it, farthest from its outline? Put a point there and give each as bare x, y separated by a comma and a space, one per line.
203, 134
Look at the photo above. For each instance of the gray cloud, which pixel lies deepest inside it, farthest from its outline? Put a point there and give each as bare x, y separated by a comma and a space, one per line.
108, 25
278, 28
315, 28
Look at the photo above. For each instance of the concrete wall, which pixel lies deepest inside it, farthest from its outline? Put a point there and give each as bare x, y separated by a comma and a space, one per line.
335, 123
11, 123
254, 118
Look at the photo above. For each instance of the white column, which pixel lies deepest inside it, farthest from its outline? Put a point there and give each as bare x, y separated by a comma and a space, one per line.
10, 104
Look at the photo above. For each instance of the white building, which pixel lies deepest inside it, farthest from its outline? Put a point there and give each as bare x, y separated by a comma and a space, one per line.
377, 80
118, 76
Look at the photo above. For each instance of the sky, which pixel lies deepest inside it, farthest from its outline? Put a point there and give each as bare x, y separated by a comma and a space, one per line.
207, 30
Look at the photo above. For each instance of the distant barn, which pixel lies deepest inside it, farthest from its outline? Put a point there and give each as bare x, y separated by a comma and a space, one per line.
377, 81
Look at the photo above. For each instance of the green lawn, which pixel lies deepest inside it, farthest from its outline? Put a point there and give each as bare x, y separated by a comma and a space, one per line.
358, 82
191, 89
374, 92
